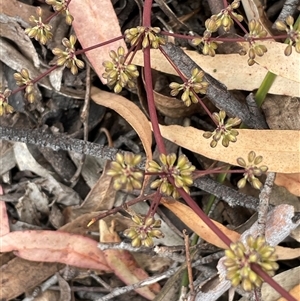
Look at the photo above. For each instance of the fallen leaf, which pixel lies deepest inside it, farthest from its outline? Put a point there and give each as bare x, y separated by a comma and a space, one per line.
129, 111
55, 246
123, 264
282, 112
94, 24
279, 222
193, 221
221, 68
20, 275
14, 8
284, 253
290, 181
280, 149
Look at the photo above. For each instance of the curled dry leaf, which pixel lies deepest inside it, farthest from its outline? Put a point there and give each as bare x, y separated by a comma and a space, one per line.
102, 22
249, 77
55, 246
130, 112
123, 264
279, 149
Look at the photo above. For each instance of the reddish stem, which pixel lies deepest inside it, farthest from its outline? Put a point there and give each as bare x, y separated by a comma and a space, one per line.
147, 13
285, 294
98, 45
201, 214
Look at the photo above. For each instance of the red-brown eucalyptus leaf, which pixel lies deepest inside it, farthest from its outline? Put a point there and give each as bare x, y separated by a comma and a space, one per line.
96, 22
123, 264
55, 246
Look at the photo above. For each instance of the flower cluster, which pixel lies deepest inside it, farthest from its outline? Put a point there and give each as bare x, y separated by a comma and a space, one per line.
148, 35
125, 173
255, 31
145, 230
22, 79
224, 130
252, 170
68, 57
240, 257
118, 73
195, 83
62, 6
5, 108
224, 19
41, 32
293, 33
181, 173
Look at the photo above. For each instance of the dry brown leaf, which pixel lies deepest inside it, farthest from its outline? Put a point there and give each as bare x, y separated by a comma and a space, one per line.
129, 111
14, 8
249, 77
20, 275
96, 23
280, 149
193, 221
290, 181
173, 107
123, 263
254, 10
284, 253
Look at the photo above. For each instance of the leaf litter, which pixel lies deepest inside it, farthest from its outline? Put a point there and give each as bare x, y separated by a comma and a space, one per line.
41, 247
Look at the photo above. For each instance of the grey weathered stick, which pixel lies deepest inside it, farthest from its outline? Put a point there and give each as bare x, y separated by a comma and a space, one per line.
227, 194
288, 9
57, 142
264, 198
216, 91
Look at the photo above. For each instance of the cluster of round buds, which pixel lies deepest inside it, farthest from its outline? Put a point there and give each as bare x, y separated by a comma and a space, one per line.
209, 46
225, 17
181, 173
148, 35
224, 129
5, 108
125, 173
256, 30
253, 169
145, 230
195, 83
41, 32
293, 34
22, 79
240, 257
62, 7
68, 57
117, 73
